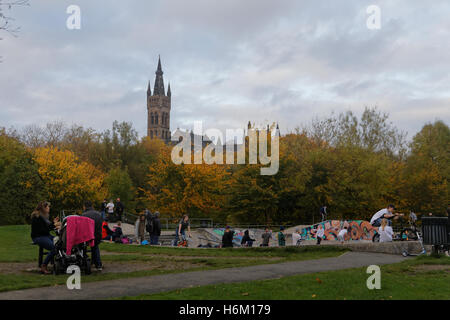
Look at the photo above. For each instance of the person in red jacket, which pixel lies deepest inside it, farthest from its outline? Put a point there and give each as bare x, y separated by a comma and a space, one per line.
106, 231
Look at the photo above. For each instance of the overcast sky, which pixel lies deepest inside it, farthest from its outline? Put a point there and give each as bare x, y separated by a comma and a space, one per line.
228, 62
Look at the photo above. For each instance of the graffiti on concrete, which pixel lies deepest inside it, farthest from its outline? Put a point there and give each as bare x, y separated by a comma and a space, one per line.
357, 230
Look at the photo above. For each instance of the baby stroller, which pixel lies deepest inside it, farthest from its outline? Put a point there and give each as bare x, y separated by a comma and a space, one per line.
79, 253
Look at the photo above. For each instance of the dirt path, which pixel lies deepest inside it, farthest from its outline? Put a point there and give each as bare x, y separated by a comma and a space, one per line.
161, 283
178, 257
156, 261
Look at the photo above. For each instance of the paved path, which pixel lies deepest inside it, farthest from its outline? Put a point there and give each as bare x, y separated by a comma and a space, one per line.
161, 283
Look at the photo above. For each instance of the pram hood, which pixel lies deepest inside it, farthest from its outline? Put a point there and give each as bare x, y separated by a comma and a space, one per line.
78, 230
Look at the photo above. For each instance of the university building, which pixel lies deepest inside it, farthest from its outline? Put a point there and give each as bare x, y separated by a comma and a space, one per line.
158, 107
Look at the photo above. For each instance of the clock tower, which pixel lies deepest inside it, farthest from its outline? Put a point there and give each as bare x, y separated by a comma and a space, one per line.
158, 108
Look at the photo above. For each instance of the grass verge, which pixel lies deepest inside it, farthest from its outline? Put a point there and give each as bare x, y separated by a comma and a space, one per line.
421, 278
16, 248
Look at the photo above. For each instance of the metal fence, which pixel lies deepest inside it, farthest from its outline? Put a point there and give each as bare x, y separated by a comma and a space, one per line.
172, 223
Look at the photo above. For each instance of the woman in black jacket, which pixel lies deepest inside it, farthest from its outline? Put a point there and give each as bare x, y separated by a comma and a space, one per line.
40, 231
227, 238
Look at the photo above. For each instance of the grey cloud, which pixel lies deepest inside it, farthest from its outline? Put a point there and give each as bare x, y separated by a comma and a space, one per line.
228, 62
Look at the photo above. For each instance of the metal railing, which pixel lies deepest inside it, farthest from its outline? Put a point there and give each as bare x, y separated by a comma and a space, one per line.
172, 223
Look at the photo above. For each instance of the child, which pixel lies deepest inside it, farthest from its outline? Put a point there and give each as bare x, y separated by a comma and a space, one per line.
385, 231
320, 233
341, 235
117, 235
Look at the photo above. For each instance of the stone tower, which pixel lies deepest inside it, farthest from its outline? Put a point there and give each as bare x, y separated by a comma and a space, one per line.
158, 108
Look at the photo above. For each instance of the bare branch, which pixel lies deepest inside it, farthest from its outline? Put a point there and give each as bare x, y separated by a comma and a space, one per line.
6, 20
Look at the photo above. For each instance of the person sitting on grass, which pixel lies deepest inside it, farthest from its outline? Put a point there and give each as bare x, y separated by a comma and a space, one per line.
281, 238
246, 240
40, 231
107, 233
117, 231
296, 237
266, 236
320, 234
385, 231
342, 234
227, 238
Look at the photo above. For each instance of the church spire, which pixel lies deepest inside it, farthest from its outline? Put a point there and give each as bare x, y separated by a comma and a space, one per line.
169, 92
159, 81
149, 90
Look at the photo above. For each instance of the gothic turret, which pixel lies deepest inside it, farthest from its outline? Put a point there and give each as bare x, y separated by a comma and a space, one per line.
159, 81
158, 108
169, 92
149, 90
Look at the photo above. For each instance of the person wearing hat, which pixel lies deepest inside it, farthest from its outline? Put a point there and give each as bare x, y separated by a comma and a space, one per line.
227, 238
386, 213
281, 238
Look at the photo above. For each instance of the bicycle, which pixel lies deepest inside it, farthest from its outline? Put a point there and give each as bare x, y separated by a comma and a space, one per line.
402, 233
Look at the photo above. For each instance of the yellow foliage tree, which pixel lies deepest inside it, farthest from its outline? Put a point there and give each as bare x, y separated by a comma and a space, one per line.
175, 190
68, 181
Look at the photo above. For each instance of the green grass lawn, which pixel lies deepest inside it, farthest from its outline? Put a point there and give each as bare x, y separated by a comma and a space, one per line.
420, 278
15, 244
15, 247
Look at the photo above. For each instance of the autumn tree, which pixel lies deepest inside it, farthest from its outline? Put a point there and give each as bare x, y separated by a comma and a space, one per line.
175, 190
68, 181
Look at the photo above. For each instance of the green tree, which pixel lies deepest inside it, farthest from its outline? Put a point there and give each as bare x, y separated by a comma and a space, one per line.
428, 169
119, 185
21, 188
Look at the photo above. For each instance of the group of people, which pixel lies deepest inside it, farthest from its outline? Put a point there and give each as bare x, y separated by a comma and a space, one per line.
247, 241
148, 222
109, 210
381, 219
41, 226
